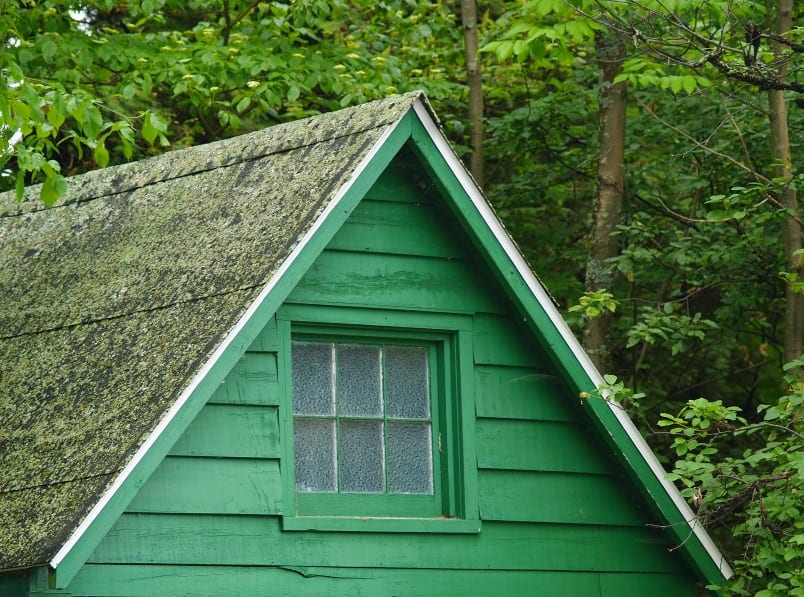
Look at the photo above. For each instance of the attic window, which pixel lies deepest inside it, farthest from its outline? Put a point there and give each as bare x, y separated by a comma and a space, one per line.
362, 418
379, 421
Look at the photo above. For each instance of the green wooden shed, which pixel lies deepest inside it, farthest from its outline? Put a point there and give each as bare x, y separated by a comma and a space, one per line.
310, 360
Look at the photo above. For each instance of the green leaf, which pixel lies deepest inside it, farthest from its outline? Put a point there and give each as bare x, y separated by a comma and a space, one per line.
54, 187
101, 154
243, 104
93, 121
152, 125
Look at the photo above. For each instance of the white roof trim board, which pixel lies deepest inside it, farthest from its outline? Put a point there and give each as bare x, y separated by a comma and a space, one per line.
224, 346
424, 115
547, 304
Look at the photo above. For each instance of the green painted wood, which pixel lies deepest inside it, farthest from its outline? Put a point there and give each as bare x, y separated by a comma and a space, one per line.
349, 316
14, 584
212, 485
253, 380
399, 228
367, 582
368, 524
556, 497
231, 430
539, 322
540, 446
654, 585
401, 181
267, 340
393, 281
500, 340
258, 540
524, 393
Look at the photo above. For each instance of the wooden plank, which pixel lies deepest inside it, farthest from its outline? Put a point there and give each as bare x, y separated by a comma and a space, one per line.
401, 229
413, 283
212, 485
541, 446
163, 580
401, 181
253, 380
524, 393
557, 497
655, 585
267, 340
232, 430
258, 541
502, 341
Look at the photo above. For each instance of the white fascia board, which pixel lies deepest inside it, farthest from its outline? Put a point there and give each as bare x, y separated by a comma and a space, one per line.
222, 348
536, 288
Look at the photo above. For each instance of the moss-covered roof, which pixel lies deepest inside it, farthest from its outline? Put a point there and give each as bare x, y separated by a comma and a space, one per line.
114, 298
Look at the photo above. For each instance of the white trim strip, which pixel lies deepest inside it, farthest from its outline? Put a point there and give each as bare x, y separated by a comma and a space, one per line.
547, 304
222, 348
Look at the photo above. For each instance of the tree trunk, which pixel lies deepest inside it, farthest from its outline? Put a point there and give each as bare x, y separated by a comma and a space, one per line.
475, 84
780, 149
610, 187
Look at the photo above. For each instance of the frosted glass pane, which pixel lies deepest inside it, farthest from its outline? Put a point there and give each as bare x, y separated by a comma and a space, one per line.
406, 382
410, 459
359, 383
361, 457
314, 452
312, 379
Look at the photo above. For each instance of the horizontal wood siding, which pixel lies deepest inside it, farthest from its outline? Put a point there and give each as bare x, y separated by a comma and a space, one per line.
557, 519
257, 540
369, 582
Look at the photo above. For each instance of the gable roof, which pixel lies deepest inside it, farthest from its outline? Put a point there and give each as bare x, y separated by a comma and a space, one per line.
127, 302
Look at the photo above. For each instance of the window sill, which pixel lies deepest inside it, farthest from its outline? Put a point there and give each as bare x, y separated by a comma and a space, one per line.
380, 524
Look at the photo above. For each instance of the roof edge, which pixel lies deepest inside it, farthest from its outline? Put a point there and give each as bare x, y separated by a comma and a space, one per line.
537, 289
236, 342
187, 161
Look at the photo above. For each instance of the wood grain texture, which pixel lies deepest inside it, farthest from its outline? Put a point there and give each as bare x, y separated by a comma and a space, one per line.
233, 431
500, 341
540, 446
399, 228
524, 393
253, 380
556, 497
212, 485
369, 582
258, 541
394, 281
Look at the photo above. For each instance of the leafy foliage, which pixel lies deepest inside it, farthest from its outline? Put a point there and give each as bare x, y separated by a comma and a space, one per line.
753, 492
114, 82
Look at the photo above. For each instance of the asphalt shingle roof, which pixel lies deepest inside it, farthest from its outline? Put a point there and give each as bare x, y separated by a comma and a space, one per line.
114, 298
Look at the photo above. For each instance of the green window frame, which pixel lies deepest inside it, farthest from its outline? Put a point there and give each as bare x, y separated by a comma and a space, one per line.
328, 499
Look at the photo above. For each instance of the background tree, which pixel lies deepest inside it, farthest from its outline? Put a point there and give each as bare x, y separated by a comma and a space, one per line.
706, 219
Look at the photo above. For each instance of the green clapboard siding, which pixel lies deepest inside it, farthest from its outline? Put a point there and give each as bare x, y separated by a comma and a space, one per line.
252, 381
555, 497
523, 393
232, 430
500, 341
394, 281
368, 582
539, 446
212, 485
397, 228
557, 518
258, 540
402, 182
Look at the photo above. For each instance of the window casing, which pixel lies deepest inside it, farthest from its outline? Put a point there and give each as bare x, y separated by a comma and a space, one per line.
378, 424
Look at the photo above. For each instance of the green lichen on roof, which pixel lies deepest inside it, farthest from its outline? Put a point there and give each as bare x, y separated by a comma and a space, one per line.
115, 298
